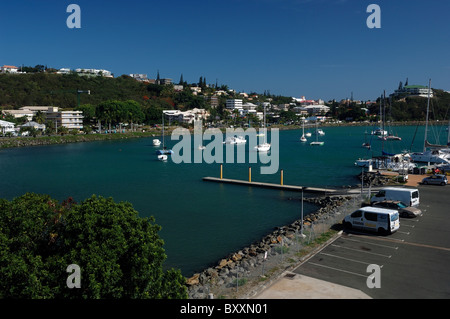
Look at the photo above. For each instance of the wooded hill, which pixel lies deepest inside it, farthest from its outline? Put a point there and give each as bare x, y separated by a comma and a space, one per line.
47, 89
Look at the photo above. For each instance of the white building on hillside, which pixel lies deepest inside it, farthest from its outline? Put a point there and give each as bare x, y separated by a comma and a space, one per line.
34, 125
20, 113
94, 72
233, 104
63, 71
6, 127
187, 117
9, 69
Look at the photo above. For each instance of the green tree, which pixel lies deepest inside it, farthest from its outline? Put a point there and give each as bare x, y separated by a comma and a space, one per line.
88, 113
109, 112
62, 130
131, 112
120, 254
39, 117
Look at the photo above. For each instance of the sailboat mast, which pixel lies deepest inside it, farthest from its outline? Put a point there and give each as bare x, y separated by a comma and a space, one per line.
426, 121
265, 130
384, 111
163, 129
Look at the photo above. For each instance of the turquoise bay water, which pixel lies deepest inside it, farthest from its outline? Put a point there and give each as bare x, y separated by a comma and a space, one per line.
201, 222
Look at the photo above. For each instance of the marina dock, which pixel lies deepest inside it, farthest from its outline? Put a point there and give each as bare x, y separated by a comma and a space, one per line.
291, 188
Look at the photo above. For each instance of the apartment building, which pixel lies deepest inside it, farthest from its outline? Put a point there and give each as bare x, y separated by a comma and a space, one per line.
68, 119
233, 104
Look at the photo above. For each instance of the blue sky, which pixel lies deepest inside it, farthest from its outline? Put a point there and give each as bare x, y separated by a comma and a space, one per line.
316, 48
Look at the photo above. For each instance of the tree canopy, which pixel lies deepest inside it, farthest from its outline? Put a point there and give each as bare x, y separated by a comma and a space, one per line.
120, 254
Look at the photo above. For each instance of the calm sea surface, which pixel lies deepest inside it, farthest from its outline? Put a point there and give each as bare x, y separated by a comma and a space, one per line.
201, 222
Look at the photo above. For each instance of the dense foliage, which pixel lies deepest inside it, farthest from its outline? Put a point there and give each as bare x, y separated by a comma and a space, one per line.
120, 254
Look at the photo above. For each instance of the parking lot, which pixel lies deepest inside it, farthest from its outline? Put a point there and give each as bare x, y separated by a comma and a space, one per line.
413, 262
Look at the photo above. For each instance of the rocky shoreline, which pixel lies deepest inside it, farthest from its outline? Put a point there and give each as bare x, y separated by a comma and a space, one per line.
247, 259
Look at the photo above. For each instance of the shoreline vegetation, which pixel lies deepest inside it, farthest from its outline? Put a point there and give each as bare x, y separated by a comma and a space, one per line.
26, 141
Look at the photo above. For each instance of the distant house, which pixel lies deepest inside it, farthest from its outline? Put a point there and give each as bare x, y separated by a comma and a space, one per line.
317, 109
196, 89
63, 71
140, 77
19, 113
9, 69
35, 125
6, 127
187, 117
164, 81
249, 106
412, 90
213, 100
94, 72
301, 110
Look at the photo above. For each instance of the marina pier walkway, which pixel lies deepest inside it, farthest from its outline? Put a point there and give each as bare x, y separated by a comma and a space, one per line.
291, 188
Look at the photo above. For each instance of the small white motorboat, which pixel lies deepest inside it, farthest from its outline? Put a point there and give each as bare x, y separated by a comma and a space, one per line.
265, 147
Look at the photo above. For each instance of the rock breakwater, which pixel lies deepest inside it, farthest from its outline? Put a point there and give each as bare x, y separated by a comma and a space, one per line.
243, 262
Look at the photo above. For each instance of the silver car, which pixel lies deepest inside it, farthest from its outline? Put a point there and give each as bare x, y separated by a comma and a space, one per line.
403, 210
435, 180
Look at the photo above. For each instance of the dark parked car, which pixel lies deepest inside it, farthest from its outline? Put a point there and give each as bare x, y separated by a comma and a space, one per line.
403, 210
435, 180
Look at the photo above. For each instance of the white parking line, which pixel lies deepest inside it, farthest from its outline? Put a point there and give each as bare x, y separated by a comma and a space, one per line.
337, 269
402, 232
365, 242
362, 251
415, 220
349, 259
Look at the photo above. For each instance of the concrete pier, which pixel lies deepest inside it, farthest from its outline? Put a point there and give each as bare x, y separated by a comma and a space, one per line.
291, 188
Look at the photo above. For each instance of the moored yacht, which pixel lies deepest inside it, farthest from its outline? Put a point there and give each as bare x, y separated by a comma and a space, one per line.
431, 156
379, 132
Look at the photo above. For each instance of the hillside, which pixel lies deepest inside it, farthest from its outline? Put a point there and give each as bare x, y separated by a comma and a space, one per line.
47, 89
60, 90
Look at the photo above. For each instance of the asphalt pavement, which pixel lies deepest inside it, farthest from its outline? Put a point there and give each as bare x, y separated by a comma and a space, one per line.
412, 263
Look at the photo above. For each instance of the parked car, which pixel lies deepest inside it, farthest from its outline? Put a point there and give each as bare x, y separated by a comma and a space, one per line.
408, 196
403, 210
435, 180
381, 220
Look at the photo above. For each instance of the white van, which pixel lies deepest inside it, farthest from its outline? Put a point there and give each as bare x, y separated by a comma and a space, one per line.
408, 196
384, 221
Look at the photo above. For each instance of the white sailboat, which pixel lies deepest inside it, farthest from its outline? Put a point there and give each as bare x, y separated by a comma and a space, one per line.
164, 151
380, 131
162, 157
317, 142
240, 140
389, 136
264, 147
320, 132
434, 153
303, 138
